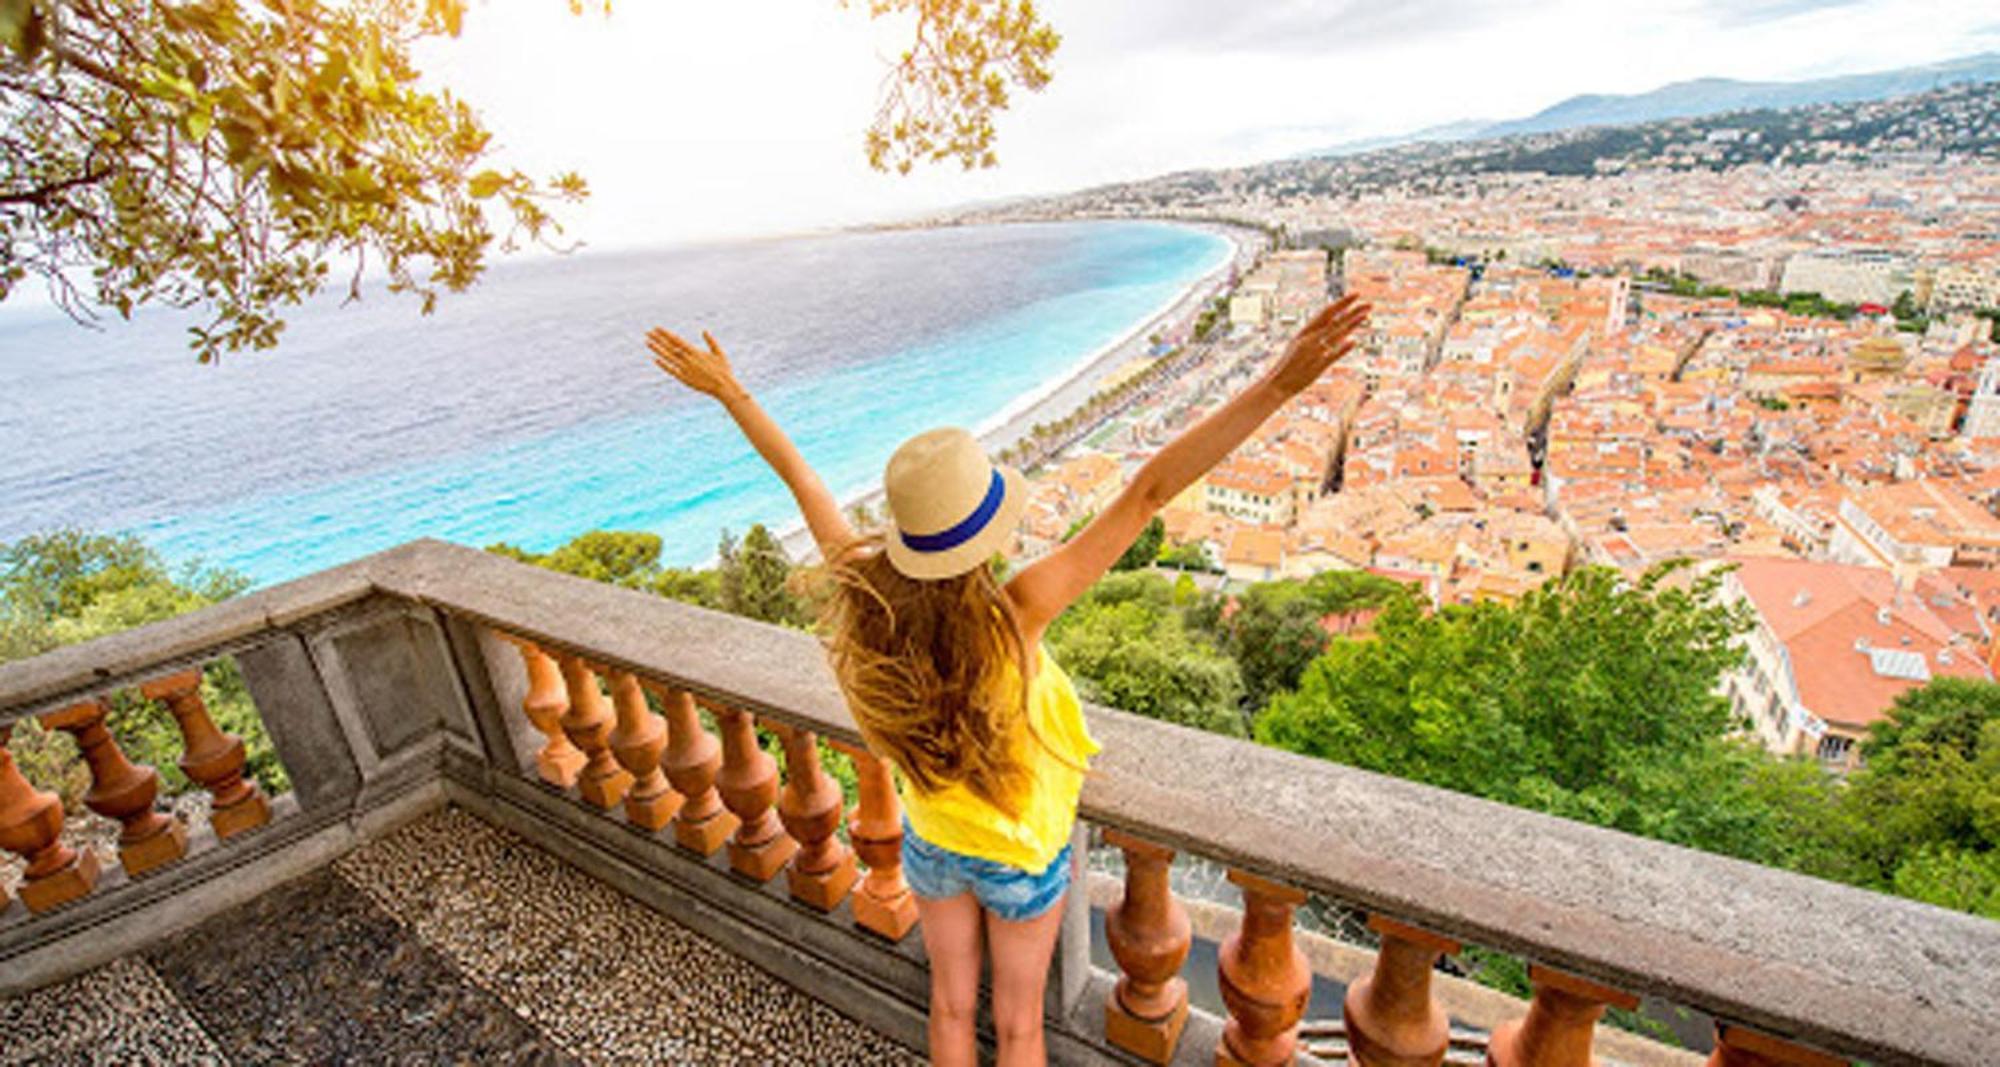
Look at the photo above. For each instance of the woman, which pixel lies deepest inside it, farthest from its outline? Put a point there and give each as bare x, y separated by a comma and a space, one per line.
944, 669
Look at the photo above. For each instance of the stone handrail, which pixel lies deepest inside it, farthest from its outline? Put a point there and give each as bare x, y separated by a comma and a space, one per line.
1603, 915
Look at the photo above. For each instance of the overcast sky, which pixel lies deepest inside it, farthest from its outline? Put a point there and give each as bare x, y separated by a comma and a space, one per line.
695, 120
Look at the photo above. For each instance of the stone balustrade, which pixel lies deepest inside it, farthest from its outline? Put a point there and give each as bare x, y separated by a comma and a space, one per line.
573, 714
31, 820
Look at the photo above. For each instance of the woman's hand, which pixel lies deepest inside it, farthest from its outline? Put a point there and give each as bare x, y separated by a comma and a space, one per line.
702, 371
1329, 336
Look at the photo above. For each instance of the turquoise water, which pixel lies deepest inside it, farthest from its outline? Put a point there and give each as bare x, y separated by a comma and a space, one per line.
527, 410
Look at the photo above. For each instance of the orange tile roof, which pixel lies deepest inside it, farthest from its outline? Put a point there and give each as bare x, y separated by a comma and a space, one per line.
1258, 546
1831, 616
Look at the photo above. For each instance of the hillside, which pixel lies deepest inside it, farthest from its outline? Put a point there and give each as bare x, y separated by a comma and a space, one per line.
1957, 120
1700, 97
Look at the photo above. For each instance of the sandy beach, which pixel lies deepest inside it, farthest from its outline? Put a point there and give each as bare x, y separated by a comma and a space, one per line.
1080, 381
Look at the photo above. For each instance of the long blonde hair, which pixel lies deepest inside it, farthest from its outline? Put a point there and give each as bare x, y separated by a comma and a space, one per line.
925, 665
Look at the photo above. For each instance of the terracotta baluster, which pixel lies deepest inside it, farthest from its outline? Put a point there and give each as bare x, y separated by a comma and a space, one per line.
122, 790
1390, 1016
1738, 1046
559, 763
693, 758
588, 725
749, 785
1149, 936
637, 741
1265, 981
1557, 1029
811, 808
210, 757
884, 904
31, 822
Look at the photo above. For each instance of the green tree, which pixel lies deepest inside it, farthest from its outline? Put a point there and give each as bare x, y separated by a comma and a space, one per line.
68, 586
1272, 631
620, 557
1952, 878
1923, 813
753, 579
219, 154
1347, 592
1593, 698
1146, 549
1947, 715
703, 588
624, 558
1188, 556
1125, 643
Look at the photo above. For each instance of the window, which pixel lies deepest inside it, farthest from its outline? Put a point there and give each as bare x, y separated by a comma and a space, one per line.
1833, 748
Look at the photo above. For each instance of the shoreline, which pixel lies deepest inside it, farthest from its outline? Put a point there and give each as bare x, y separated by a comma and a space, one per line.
1075, 384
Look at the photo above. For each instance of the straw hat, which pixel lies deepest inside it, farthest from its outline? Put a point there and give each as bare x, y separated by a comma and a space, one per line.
952, 508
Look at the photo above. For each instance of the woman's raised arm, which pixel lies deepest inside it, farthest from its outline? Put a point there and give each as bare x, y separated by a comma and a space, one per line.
707, 371
1041, 591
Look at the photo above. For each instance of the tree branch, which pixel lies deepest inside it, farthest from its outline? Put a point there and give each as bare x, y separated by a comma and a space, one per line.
41, 195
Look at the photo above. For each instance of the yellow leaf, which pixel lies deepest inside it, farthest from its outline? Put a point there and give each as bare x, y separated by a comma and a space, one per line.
485, 184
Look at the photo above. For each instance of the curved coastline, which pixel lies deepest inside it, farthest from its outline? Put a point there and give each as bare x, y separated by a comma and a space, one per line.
539, 435
1068, 390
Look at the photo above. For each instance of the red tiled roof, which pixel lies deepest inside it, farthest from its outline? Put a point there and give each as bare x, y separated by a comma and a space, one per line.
1833, 618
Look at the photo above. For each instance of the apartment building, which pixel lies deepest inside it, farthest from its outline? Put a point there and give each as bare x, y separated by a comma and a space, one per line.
1833, 646
1849, 276
1913, 527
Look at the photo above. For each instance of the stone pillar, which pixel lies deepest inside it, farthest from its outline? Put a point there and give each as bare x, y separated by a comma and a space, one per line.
559, 763
1557, 1029
693, 758
637, 741
587, 723
1739, 1046
1149, 935
884, 905
31, 822
122, 790
210, 757
1265, 981
1390, 1016
811, 808
749, 786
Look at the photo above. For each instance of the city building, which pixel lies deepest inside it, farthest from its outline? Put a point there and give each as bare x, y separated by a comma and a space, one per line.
1833, 646
1913, 527
1252, 490
1849, 276
1982, 416
1954, 288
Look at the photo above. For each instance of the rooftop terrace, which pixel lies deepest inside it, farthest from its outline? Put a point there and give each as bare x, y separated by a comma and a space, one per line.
486, 851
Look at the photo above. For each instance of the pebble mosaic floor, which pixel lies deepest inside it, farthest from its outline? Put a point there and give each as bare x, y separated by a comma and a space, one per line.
448, 941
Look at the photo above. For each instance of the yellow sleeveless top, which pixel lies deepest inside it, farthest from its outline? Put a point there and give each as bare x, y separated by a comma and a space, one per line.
956, 819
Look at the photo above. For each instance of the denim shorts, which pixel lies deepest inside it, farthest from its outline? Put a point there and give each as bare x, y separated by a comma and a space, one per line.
1015, 895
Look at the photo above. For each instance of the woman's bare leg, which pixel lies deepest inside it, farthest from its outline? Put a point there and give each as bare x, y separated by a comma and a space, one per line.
951, 940
1021, 954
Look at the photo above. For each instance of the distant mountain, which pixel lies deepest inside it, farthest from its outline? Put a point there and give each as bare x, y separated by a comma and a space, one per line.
1703, 96
1466, 130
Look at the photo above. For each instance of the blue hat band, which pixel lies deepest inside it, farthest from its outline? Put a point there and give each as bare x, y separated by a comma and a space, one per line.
967, 528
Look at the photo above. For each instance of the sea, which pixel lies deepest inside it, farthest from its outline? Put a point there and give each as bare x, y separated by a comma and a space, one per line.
527, 410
